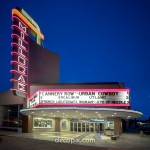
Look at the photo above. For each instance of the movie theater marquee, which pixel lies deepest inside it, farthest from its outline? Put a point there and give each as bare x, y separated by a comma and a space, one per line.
82, 97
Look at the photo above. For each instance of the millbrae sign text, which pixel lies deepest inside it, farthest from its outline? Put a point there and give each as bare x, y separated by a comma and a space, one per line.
19, 56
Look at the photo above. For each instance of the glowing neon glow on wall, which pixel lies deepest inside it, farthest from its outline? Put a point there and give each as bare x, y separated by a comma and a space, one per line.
81, 98
20, 38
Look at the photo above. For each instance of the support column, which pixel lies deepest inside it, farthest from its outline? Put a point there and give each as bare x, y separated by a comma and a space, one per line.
27, 124
117, 125
57, 124
1, 115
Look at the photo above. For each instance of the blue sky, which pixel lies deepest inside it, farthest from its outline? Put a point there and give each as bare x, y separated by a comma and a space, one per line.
98, 41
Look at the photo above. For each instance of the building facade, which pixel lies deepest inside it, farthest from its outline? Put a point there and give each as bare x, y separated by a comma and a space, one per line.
37, 100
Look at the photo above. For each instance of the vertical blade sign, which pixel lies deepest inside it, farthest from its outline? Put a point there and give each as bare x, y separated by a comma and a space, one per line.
20, 46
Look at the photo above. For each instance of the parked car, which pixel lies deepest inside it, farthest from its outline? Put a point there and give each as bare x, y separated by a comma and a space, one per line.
145, 128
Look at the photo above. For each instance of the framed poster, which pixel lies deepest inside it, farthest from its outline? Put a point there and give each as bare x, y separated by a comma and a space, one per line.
64, 124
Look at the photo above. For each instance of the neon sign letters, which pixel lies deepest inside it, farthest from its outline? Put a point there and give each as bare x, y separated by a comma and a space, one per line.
20, 38
23, 26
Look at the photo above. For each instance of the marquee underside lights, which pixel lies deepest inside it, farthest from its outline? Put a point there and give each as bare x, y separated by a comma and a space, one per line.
20, 46
81, 98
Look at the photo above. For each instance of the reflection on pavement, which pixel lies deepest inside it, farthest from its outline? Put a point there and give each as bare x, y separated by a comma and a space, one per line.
96, 139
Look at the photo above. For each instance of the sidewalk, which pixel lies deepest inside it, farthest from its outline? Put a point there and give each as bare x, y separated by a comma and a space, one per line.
31, 141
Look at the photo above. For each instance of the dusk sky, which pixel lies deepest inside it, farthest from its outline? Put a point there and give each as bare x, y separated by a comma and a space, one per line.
98, 41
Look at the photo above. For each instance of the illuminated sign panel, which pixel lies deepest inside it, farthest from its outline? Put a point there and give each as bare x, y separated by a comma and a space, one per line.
34, 100
23, 25
20, 38
83, 97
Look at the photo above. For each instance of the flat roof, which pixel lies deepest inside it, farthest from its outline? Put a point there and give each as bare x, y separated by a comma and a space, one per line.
80, 83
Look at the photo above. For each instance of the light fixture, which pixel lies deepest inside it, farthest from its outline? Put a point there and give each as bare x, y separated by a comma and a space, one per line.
99, 115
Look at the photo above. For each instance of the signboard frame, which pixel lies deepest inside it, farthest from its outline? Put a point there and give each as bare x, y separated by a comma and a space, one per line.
109, 98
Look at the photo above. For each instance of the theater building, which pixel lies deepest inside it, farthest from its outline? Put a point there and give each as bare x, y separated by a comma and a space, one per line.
37, 100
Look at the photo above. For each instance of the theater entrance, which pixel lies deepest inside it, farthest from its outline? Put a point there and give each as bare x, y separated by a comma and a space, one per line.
86, 127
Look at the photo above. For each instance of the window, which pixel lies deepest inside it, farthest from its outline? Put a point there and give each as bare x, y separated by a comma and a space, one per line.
64, 124
110, 125
42, 123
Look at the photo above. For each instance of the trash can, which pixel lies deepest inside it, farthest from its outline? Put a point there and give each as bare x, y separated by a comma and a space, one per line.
113, 137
